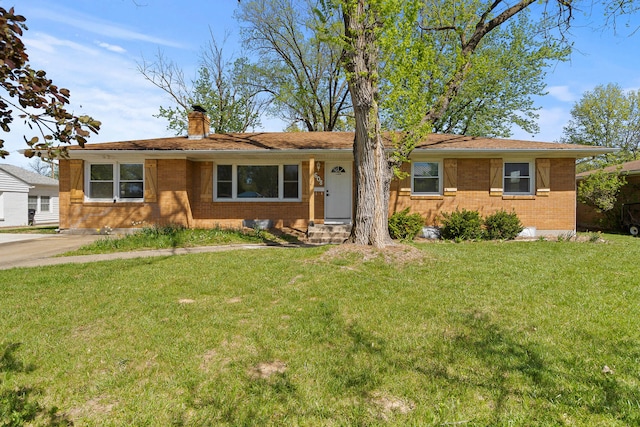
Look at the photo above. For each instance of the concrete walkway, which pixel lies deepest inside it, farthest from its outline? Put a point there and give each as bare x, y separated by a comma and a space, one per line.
33, 250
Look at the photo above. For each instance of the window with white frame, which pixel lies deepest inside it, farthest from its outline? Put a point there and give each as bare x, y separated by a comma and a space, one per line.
517, 178
257, 182
32, 203
116, 181
426, 178
290, 182
45, 204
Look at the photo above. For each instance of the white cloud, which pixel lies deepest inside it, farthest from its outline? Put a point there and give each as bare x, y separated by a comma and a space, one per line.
75, 65
93, 25
111, 47
103, 84
48, 44
561, 93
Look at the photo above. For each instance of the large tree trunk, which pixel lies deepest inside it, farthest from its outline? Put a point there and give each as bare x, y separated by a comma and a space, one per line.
373, 172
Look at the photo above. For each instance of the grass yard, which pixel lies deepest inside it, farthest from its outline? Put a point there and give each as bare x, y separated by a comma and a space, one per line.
473, 334
177, 237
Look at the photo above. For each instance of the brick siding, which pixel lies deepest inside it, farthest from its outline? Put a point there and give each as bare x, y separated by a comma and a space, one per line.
179, 200
553, 212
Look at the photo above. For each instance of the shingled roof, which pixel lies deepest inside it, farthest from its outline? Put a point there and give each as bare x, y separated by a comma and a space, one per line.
304, 141
628, 168
28, 177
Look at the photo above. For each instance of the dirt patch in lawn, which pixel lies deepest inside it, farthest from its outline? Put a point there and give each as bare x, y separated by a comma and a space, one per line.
385, 405
265, 370
396, 254
95, 407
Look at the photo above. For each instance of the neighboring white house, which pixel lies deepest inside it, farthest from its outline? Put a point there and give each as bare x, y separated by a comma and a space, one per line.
22, 191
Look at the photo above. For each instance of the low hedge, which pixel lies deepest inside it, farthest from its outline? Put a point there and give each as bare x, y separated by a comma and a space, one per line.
469, 225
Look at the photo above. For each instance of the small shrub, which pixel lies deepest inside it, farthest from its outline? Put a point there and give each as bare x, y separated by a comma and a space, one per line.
502, 226
405, 226
461, 225
595, 237
566, 237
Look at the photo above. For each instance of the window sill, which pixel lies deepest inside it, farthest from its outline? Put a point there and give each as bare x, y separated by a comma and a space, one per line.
239, 200
111, 203
427, 197
519, 197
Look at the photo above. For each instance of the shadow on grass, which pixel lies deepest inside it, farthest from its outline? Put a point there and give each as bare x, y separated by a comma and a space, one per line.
518, 381
18, 405
602, 390
176, 237
514, 368
513, 371
347, 372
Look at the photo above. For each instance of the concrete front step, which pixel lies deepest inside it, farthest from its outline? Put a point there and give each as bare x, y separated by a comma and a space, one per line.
328, 234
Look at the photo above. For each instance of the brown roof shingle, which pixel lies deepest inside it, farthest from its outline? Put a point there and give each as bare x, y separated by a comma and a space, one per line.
631, 168
325, 141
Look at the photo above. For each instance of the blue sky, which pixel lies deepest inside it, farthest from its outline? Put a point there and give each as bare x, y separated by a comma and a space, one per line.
92, 47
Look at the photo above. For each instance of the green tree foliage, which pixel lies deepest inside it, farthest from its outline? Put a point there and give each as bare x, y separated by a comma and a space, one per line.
454, 69
507, 71
220, 88
298, 65
607, 116
288, 36
600, 189
39, 102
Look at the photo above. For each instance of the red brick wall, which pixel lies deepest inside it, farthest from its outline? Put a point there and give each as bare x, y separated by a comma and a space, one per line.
231, 214
172, 206
179, 201
554, 212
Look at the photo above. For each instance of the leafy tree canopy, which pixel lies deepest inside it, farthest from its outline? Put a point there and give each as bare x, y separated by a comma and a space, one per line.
220, 87
33, 97
606, 116
600, 189
507, 70
298, 64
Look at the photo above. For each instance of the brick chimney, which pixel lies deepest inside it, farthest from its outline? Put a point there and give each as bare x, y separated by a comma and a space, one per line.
199, 123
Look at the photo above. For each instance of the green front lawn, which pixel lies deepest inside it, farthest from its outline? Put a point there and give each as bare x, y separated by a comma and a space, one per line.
178, 237
473, 334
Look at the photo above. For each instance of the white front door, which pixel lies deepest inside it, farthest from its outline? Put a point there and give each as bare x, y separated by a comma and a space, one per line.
337, 193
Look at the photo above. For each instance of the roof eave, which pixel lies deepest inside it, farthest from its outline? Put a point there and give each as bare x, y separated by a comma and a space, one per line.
545, 152
73, 153
465, 152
